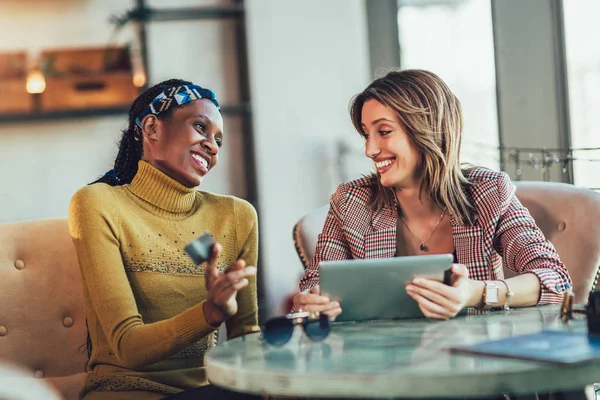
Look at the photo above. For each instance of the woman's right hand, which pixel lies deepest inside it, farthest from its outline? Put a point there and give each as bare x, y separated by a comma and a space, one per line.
313, 301
222, 287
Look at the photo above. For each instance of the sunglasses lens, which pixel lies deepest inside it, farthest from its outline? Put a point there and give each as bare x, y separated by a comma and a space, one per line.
278, 331
317, 329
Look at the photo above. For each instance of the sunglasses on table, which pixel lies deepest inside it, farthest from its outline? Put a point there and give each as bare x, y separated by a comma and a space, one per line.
278, 331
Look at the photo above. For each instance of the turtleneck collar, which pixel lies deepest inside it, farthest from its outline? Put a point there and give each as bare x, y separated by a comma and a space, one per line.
157, 188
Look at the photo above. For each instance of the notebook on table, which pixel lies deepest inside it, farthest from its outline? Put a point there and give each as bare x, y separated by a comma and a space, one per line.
547, 346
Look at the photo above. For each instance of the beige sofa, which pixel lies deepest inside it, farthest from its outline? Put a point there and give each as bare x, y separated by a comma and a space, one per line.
42, 318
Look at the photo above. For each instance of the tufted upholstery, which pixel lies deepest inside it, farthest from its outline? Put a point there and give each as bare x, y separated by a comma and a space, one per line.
42, 318
19, 384
568, 215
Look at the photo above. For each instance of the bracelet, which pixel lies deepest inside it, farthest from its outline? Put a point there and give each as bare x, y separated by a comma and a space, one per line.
509, 295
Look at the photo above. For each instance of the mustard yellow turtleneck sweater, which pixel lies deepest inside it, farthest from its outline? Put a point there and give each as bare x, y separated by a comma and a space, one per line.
144, 296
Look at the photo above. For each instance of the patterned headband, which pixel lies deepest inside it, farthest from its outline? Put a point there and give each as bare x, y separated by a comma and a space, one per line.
176, 96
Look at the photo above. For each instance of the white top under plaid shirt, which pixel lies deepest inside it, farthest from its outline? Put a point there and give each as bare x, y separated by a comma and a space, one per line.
502, 228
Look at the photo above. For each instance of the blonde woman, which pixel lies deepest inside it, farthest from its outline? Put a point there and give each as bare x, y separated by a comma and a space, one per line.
421, 201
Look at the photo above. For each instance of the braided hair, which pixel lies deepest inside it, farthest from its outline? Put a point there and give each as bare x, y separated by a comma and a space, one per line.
131, 143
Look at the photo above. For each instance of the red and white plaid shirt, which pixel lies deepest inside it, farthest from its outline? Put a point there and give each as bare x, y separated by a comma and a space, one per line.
502, 228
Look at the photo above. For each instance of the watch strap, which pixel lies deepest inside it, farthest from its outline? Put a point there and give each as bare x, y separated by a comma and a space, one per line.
509, 295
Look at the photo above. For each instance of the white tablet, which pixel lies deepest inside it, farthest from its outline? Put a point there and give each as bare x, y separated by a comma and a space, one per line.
372, 289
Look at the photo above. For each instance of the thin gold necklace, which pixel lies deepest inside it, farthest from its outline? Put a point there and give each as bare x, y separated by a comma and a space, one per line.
422, 246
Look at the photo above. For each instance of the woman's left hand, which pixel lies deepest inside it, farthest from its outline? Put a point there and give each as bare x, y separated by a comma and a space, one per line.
440, 301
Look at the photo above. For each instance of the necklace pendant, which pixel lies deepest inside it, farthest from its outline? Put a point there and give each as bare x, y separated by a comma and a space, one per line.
422, 247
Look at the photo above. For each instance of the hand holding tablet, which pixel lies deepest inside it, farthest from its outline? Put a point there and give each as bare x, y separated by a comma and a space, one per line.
375, 288
443, 301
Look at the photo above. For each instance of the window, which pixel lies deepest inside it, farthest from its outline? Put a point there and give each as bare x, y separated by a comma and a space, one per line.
454, 39
582, 35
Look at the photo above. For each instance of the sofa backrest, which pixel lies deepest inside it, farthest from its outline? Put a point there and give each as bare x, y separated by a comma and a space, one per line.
569, 216
42, 317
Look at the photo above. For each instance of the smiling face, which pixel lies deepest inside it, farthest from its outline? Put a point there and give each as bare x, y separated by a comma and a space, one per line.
386, 142
186, 146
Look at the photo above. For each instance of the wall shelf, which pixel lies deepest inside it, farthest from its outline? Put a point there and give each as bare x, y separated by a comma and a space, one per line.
147, 14
242, 109
66, 114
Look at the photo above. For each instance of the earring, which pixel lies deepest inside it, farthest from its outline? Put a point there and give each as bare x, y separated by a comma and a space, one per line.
137, 133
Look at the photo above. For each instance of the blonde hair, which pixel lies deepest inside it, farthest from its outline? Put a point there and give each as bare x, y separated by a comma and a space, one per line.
431, 116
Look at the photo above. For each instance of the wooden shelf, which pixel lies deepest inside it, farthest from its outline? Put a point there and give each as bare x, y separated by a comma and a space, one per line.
67, 114
146, 14
229, 110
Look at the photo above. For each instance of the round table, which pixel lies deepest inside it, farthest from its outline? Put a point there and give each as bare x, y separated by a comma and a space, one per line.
408, 358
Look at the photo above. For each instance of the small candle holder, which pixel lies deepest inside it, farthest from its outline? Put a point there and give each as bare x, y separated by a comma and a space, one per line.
566, 310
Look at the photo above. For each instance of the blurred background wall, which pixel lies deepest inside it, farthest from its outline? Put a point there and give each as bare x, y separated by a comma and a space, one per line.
44, 162
527, 74
307, 59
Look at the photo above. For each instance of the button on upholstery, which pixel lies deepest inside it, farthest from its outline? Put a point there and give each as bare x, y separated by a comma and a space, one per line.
562, 226
3, 330
19, 264
68, 322
39, 374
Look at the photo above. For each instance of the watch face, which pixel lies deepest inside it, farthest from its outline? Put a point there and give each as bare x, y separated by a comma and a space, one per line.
491, 294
